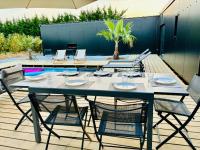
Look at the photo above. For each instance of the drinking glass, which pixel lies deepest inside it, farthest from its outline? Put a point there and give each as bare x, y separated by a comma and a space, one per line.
150, 78
124, 78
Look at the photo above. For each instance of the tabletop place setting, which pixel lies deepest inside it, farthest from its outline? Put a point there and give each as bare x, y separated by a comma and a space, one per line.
156, 80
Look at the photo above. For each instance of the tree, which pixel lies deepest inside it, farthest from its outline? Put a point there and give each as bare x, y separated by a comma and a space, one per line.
118, 32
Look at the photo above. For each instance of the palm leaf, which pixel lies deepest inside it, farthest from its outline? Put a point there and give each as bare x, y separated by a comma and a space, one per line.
128, 27
110, 25
119, 27
106, 34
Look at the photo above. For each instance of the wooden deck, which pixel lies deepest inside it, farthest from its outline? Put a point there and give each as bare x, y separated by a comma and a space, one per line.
23, 138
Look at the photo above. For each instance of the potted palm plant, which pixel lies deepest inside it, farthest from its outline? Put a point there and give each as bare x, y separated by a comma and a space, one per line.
118, 32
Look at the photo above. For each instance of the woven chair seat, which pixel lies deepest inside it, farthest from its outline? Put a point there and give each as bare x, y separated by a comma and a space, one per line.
67, 118
120, 129
171, 106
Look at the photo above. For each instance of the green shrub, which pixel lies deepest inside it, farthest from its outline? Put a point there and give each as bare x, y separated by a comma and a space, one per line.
27, 42
37, 44
32, 26
21, 42
13, 43
2, 42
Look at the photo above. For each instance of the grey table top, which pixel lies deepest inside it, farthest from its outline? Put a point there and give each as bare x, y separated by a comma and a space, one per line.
102, 84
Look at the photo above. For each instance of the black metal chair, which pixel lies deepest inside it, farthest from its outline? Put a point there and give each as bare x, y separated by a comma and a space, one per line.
64, 112
71, 48
12, 75
178, 108
120, 120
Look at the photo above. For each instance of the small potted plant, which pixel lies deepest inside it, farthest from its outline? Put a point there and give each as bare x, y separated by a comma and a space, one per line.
118, 32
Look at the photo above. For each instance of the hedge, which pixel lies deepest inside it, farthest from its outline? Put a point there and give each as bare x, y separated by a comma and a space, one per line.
31, 26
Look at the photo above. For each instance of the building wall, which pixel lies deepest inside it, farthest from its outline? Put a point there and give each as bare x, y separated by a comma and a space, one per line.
181, 49
57, 36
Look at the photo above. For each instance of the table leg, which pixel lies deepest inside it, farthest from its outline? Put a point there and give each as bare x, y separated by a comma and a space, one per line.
149, 124
36, 125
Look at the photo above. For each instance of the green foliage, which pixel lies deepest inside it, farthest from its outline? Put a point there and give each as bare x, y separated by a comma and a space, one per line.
2, 42
32, 26
126, 36
19, 42
27, 42
118, 32
99, 14
37, 44
13, 43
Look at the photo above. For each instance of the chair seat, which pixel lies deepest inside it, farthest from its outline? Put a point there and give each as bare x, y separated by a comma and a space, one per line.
171, 106
26, 99
120, 124
70, 118
120, 129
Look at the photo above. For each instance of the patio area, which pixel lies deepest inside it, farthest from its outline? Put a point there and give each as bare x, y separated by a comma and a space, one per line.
23, 138
109, 74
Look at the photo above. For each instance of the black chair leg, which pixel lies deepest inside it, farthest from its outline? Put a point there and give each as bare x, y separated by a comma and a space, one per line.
177, 130
161, 120
89, 121
25, 115
91, 115
180, 123
100, 142
50, 131
187, 140
141, 143
83, 138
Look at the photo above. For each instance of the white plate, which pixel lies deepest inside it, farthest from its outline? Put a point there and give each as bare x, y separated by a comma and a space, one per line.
75, 82
101, 73
125, 86
164, 80
36, 78
71, 73
131, 74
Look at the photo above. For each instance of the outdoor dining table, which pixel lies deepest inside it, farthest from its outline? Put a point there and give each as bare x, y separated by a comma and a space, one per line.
100, 86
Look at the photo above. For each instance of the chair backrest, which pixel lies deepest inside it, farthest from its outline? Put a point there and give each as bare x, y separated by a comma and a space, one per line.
131, 113
140, 59
143, 53
80, 54
194, 88
194, 91
72, 46
11, 75
60, 55
64, 106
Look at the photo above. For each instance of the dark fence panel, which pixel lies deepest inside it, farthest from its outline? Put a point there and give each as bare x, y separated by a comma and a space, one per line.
57, 36
182, 48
